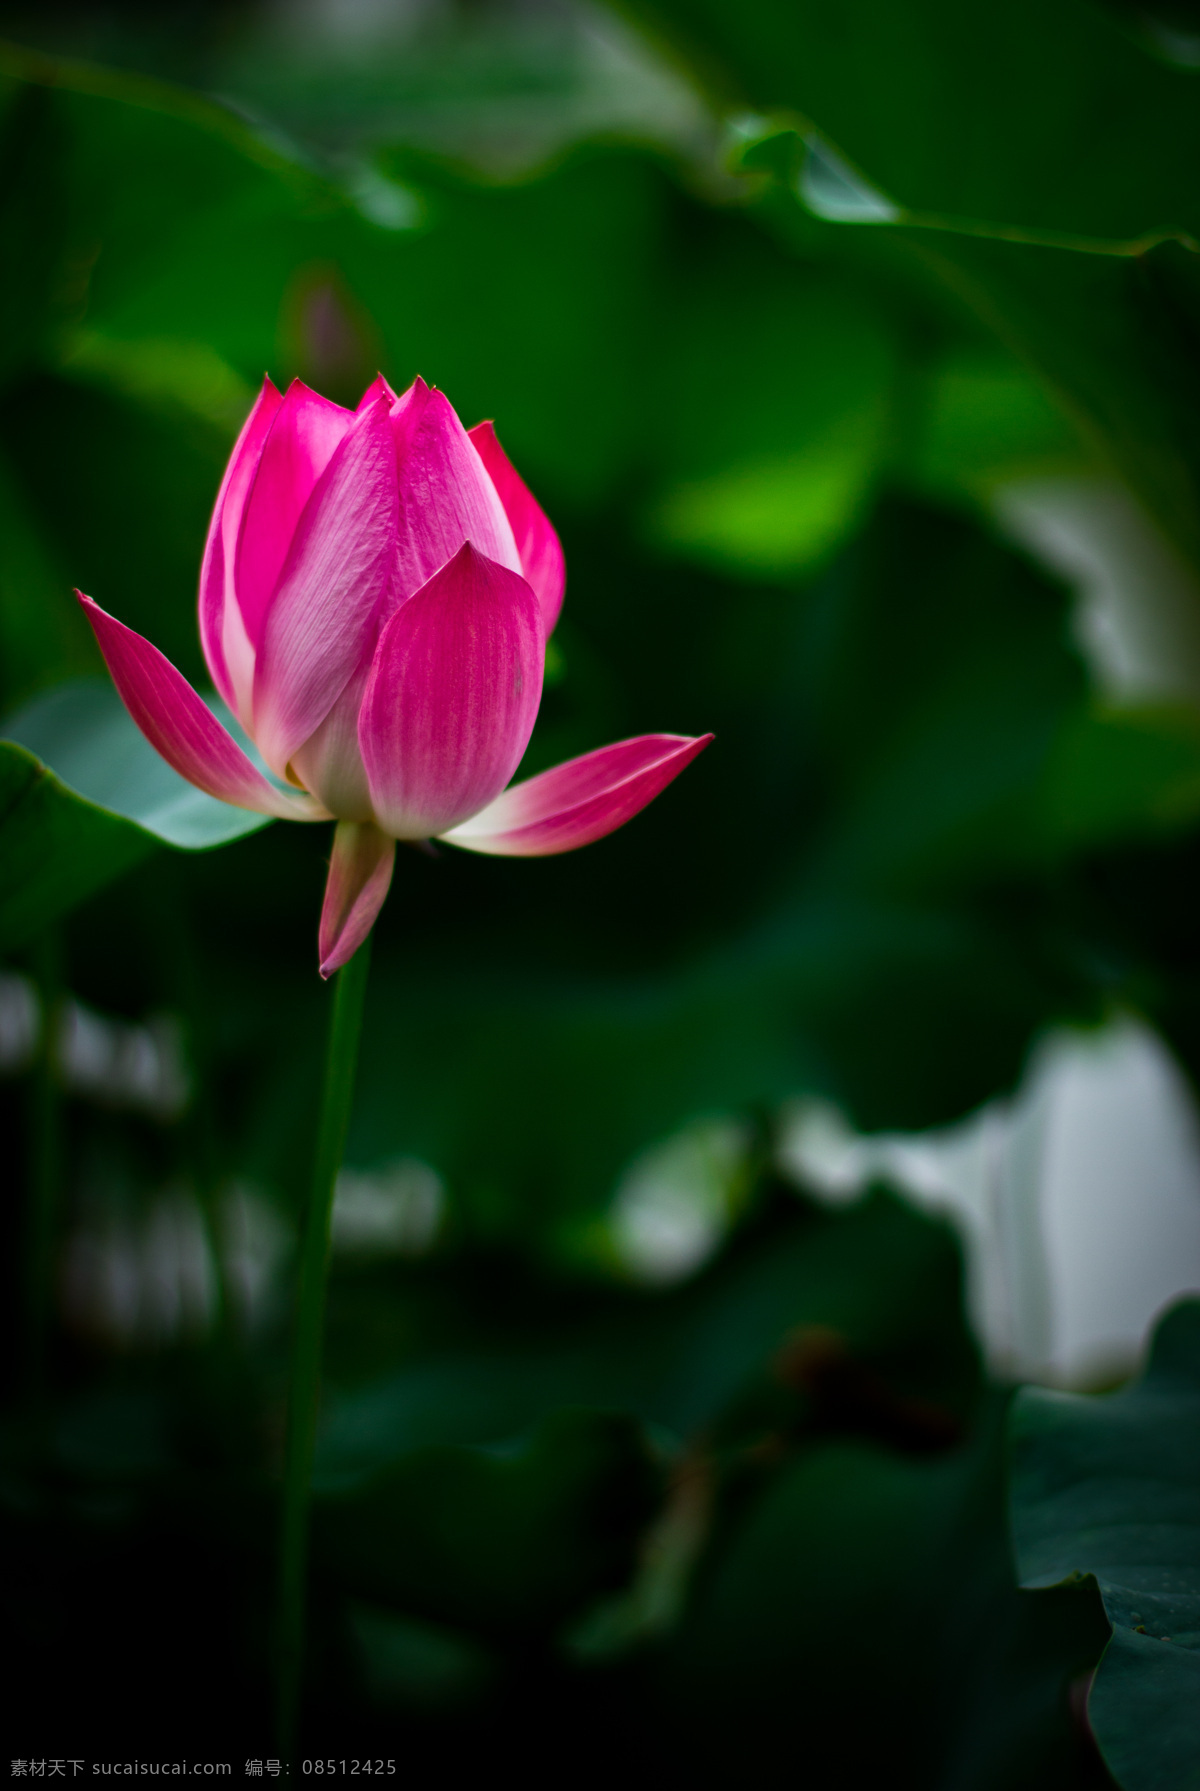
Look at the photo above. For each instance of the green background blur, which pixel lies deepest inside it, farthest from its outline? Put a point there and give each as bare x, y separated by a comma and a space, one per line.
769, 302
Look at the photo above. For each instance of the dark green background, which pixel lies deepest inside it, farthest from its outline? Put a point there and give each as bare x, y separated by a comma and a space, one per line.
570, 1523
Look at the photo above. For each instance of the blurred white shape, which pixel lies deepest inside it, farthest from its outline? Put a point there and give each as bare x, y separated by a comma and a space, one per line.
144, 1280
20, 1021
111, 1061
674, 1203
123, 1065
1078, 1202
627, 86
1180, 47
1137, 617
567, 71
959, 1171
1120, 1151
178, 1292
381, 200
352, 26
391, 1211
255, 1243
832, 189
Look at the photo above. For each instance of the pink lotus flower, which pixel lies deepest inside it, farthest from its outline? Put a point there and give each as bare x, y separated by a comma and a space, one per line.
377, 591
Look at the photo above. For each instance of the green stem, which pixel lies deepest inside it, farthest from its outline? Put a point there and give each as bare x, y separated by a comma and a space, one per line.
348, 995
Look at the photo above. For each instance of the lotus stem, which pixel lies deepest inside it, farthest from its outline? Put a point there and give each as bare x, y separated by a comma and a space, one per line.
345, 1026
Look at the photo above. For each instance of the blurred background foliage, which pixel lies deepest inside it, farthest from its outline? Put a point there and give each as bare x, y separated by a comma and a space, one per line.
854, 353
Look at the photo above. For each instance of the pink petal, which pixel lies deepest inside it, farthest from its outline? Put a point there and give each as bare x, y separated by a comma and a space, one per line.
227, 649
180, 725
306, 430
539, 547
360, 871
576, 803
324, 620
446, 495
378, 388
452, 696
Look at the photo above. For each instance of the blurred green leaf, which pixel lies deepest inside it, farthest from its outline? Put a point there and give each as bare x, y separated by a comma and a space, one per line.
554, 346
120, 493
1112, 342
779, 1659
85, 734
33, 204
501, 1540
1123, 773
915, 844
940, 676
909, 1014
190, 375
987, 421
42, 636
86, 796
777, 397
1110, 1488
1076, 175
128, 214
883, 1277
775, 517
407, 1662
57, 849
1032, 117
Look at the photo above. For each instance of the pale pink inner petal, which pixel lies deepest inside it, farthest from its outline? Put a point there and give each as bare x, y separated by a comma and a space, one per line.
324, 620
303, 436
539, 547
573, 804
181, 726
360, 871
446, 494
330, 763
452, 696
226, 647
241, 659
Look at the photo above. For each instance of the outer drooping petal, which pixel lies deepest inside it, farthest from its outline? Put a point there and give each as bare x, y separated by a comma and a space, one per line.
360, 872
576, 803
446, 494
452, 696
180, 726
223, 636
303, 436
323, 622
538, 545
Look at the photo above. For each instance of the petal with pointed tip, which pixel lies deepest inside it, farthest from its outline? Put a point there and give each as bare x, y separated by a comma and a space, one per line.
324, 621
539, 547
227, 648
446, 494
303, 437
576, 803
180, 725
360, 872
452, 696
378, 388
